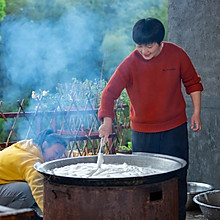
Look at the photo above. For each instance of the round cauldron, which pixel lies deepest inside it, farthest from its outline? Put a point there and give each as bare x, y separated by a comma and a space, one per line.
147, 197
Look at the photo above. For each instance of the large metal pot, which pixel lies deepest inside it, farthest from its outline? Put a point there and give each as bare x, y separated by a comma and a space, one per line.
146, 197
169, 167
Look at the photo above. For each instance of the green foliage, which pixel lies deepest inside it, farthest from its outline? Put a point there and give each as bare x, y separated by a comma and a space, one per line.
3, 135
14, 6
125, 148
2, 8
35, 9
114, 45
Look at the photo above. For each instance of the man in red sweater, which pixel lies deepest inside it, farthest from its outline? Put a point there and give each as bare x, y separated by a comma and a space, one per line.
152, 75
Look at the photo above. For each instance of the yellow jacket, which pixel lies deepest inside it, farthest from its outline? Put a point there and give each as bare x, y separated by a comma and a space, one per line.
16, 164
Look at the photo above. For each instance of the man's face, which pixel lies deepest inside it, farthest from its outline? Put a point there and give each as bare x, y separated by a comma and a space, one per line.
148, 51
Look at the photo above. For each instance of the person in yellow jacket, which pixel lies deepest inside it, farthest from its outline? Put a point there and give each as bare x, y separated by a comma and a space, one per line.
20, 184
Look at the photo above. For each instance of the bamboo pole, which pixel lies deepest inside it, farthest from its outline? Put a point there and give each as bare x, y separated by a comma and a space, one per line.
35, 114
19, 110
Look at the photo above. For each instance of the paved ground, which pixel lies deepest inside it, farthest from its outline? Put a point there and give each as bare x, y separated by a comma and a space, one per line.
195, 215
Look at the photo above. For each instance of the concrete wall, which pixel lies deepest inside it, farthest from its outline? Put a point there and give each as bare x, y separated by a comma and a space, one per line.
195, 26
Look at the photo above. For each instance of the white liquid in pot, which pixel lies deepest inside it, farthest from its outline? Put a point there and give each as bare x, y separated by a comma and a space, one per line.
90, 170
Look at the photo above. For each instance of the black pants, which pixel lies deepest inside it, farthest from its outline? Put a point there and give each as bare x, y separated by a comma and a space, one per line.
173, 142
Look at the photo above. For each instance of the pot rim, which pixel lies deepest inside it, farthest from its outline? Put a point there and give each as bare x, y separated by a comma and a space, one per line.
195, 199
128, 181
207, 187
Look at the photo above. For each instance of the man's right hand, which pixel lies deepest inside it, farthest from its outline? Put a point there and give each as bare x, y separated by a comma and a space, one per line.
105, 129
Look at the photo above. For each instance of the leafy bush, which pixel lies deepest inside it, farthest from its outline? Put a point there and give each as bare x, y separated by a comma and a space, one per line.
2, 9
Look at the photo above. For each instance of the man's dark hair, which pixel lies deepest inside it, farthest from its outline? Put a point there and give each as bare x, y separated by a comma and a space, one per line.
147, 31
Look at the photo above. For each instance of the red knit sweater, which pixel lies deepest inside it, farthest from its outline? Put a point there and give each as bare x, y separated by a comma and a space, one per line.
154, 89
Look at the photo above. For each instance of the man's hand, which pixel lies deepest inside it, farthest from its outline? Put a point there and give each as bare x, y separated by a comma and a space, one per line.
105, 129
196, 124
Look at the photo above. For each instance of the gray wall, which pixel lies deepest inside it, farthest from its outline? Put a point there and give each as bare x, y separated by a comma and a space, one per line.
195, 26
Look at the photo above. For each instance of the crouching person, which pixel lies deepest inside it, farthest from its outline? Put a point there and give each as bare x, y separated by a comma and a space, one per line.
21, 186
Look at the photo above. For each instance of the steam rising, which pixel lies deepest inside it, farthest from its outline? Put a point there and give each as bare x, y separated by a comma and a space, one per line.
42, 53
51, 42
